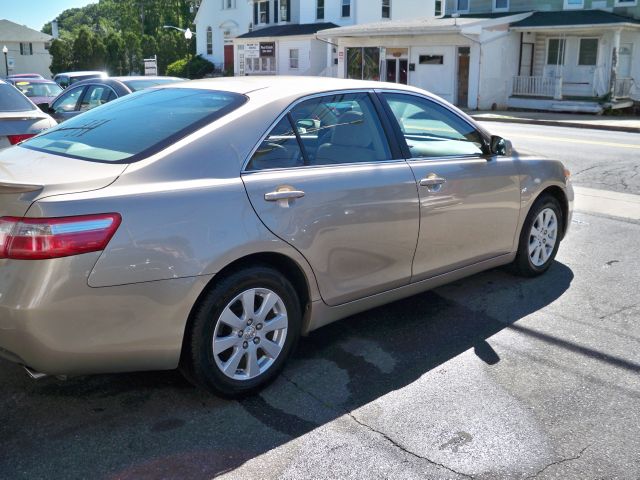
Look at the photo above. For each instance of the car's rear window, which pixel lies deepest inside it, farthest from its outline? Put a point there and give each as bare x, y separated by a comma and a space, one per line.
11, 100
136, 85
33, 89
136, 125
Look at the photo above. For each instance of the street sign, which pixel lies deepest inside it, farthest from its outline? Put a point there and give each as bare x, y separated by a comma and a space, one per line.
151, 66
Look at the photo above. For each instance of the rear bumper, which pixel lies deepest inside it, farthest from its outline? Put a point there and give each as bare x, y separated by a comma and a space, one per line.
53, 322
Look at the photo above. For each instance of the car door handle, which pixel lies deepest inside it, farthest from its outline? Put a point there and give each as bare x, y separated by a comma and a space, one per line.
432, 181
283, 195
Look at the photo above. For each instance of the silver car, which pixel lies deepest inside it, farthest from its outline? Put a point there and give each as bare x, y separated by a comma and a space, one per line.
207, 225
19, 118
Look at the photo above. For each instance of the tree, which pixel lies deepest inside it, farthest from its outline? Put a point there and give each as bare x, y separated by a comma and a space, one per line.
133, 51
116, 55
61, 60
83, 49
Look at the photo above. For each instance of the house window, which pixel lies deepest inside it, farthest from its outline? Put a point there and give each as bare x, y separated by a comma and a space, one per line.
431, 59
228, 4
555, 51
294, 58
320, 10
26, 48
284, 10
588, 51
626, 3
438, 8
209, 41
500, 5
573, 4
462, 6
386, 8
346, 8
363, 63
263, 12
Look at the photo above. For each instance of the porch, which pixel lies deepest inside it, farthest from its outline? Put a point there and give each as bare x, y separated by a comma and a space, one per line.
575, 61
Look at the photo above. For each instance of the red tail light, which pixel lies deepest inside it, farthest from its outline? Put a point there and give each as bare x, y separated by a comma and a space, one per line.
40, 238
14, 139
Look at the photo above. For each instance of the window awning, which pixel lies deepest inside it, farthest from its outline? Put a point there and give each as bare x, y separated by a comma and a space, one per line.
578, 19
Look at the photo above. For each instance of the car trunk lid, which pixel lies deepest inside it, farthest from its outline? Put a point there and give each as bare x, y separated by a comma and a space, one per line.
26, 175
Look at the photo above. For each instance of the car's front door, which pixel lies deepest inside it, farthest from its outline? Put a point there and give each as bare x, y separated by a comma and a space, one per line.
469, 201
327, 180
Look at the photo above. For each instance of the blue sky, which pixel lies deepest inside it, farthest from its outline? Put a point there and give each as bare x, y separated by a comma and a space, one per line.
35, 13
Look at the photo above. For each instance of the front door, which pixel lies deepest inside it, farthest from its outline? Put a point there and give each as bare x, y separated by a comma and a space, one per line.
397, 70
463, 76
325, 181
624, 60
469, 201
228, 58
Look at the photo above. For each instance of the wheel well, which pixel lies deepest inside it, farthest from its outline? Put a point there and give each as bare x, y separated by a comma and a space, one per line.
559, 195
283, 264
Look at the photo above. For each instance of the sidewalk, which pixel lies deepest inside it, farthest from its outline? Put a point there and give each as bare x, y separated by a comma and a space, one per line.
598, 122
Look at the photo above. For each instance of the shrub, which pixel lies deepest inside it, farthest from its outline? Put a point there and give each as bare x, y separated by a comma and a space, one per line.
195, 67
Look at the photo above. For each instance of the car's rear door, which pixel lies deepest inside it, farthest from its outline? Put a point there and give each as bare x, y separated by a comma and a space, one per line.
327, 180
469, 200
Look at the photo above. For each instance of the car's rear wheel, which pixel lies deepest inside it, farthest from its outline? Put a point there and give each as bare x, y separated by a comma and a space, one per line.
242, 332
540, 237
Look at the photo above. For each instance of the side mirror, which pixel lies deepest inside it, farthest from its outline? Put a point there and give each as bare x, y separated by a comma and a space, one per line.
501, 146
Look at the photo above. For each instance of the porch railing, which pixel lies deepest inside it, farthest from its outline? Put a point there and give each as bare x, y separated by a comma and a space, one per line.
537, 86
622, 88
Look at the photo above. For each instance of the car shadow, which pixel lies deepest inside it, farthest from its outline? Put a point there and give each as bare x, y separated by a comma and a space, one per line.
155, 424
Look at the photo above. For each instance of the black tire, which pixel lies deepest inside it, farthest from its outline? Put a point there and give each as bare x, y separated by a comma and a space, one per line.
198, 364
523, 264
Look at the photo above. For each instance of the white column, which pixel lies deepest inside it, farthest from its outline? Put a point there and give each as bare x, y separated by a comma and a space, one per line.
614, 63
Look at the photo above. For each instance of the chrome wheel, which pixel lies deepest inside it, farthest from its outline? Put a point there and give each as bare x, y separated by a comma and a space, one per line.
543, 237
250, 334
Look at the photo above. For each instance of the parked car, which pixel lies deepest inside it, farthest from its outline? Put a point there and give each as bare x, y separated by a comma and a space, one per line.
67, 79
88, 94
39, 90
18, 76
206, 225
19, 120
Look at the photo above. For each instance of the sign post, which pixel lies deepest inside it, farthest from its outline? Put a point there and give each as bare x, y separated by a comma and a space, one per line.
151, 65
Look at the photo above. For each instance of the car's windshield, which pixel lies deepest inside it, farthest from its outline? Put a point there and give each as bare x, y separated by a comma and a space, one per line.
136, 125
38, 89
79, 78
11, 100
136, 85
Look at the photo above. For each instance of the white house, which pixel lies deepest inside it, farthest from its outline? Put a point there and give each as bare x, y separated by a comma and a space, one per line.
279, 36
27, 50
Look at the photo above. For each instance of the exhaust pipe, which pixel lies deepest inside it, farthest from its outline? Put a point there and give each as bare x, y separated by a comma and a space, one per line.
33, 374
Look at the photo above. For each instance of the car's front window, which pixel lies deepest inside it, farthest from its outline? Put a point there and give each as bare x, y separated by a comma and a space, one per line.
11, 100
136, 125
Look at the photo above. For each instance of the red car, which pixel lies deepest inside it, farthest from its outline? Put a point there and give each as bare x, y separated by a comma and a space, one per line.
38, 90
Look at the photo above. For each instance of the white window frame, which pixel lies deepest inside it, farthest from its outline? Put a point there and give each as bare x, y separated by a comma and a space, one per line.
628, 3
228, 4
296, 58
324, 9
459, 10
209, 40
597, 51
266, 11
500, 9
570, 6
26, 49
385, 4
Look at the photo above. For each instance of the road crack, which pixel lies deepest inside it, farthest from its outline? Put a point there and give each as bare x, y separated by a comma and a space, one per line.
372, 429
559, 462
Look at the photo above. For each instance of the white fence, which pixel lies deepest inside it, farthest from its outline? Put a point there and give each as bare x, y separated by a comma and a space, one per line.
537, 87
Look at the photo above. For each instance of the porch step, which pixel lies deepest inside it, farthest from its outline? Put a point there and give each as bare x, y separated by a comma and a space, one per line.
576, 107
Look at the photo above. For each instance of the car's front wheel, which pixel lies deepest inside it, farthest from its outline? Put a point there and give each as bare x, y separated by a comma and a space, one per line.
540, 237
242, 332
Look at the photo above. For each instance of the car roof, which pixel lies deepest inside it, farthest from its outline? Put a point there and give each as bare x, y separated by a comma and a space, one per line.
80, 73
288, 86
147, 77
32, 80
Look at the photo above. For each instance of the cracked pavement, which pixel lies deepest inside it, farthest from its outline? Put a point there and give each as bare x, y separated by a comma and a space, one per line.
490, 377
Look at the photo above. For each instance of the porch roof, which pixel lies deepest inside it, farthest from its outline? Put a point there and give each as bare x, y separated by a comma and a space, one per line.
288, 30
574, 19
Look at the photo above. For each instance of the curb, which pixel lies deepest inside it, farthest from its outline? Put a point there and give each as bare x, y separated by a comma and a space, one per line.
555, 123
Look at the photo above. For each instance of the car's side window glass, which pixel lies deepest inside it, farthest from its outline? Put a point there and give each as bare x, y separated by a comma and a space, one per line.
432, 131
95, 96
280, 149
68, 101
339, 129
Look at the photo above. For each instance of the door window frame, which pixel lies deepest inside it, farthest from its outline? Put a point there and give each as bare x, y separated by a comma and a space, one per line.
395, 148
400, 139
69, 92
86, 90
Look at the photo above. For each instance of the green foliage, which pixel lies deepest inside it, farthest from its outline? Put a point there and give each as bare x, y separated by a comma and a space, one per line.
193, 67
117, 34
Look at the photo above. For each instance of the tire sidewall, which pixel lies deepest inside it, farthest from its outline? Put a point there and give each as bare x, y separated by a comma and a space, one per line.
542, 203
204, 365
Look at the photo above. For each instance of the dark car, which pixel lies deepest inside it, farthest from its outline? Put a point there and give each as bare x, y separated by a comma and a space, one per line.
38, 90
67, 79
87, 94
19, 118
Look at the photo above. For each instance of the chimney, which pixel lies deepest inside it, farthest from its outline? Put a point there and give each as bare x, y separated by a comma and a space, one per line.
54, 29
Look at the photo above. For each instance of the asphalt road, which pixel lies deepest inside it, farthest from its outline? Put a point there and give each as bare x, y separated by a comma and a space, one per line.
492, 377
597, 158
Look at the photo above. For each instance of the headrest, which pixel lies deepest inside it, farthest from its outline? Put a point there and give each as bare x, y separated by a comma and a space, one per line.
352, 131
